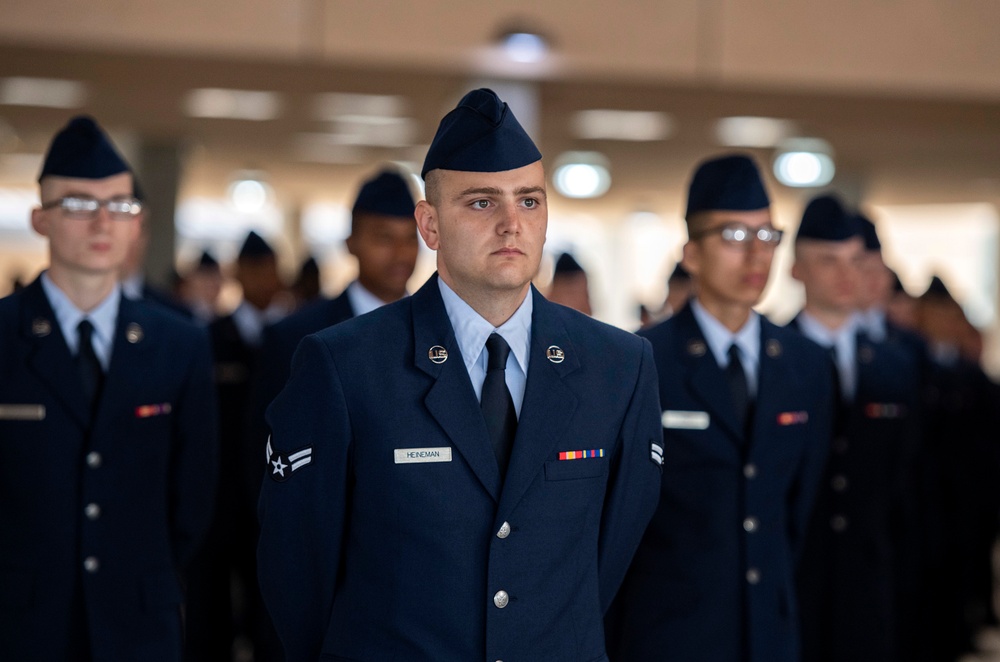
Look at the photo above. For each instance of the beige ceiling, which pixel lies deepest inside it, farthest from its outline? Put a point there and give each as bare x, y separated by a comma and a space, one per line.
907, 92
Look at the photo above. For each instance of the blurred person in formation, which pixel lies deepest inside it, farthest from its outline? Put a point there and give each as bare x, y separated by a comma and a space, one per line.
384, 241
680, 288
875, 292
108, 429
961, 426
308, 285
133, 278
215, 618
481, 465
901, 308
199, 288
569, 285
745, 437
862, 527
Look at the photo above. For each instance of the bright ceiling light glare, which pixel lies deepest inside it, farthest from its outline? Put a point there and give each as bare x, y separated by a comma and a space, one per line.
524, 47
249, 194
42, 92
762, 132
626, 125
582, 175
218, 103
804, 163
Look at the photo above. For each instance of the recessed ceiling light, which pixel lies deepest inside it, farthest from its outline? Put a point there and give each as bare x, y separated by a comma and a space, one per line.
804, 162
523, 46
42, 92
337, 105
214, 102
753, 131
581, 175
632, 125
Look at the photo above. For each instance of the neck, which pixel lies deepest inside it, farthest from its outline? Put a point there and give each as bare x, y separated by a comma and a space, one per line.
831, 318
495, 307
86, 291
732, 316
384, 295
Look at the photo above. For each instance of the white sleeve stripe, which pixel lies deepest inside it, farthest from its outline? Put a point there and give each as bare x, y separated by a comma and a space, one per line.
302, 453
296, 465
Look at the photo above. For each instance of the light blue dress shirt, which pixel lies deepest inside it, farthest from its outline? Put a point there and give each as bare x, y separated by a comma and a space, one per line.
471, 332
362, 300
845, 339
103, 316
720, 339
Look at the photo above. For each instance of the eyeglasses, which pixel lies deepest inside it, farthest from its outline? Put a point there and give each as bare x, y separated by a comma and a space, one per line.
740, 235
86, 207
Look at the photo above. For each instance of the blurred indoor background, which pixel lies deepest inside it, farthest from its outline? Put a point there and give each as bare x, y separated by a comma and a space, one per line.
266, 114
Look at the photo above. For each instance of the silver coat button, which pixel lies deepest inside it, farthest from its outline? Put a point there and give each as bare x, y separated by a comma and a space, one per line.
93, 511
750, 471
753, 576
838, 523
93, 459
501, 599
504, 530
750, 524
838, 483
91, 564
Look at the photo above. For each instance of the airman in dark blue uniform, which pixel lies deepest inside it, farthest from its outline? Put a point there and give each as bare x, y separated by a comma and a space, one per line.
463, 474
384, 241
107, 430
861, 537
745, 415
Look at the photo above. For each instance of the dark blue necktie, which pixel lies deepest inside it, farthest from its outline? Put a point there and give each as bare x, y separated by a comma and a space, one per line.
737, 380
88, 365
496, 403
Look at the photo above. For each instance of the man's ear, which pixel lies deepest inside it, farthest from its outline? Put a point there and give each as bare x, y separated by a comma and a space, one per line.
40, 221
427, 224
691, 258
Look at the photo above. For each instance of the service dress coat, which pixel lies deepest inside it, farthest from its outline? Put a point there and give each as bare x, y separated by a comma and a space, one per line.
863, 539
714, 577
100, 515
386, 531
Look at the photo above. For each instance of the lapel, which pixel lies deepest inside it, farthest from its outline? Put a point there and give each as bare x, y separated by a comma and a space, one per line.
48, 357
134, 337
773, 379
705, 379
451, 400
549, 402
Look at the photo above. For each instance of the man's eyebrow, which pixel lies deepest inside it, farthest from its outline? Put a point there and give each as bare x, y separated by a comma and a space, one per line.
528, 190
485, 190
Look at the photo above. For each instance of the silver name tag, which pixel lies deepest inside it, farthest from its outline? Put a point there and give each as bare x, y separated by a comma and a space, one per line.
416, 455
22, 412
685, 420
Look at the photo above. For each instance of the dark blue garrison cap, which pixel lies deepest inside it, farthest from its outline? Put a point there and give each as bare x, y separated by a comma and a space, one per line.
82, 151
387, 194
480, 135
826, 219
730, 183
869, 232
254, 247
566, 264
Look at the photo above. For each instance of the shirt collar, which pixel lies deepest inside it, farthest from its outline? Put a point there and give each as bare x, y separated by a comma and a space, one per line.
472, 329
719, 338
874, 323
362, 300
103, 316
815, 330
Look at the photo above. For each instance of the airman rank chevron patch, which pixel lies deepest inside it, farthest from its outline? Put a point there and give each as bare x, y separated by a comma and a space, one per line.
282, 465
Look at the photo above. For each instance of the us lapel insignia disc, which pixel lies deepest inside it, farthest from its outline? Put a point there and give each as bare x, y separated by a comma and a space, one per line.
437, 354
555, 354
41, 327
773, 348
696, 348
133, 333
